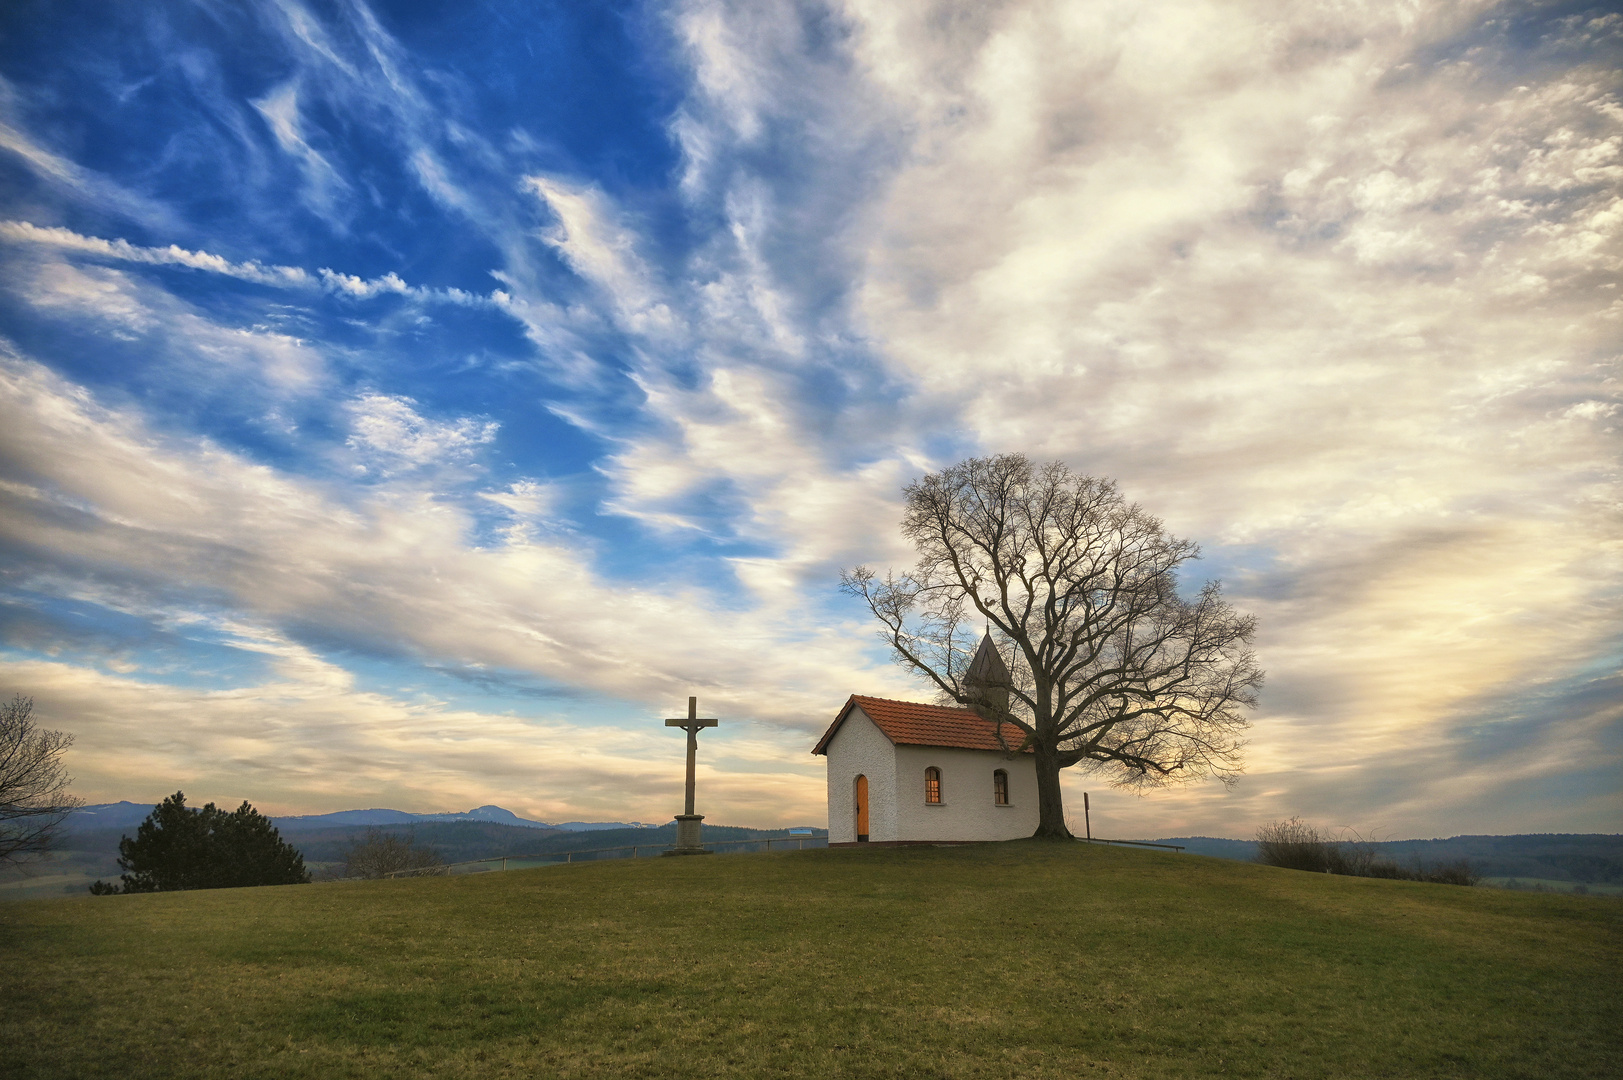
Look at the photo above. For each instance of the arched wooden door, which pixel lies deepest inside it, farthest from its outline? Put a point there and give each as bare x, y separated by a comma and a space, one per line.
862, 809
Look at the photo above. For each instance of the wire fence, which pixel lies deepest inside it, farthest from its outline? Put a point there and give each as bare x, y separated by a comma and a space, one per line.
1135, 843
637, 851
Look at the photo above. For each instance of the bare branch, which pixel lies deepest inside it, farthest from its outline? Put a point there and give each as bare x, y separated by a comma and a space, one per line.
33, 784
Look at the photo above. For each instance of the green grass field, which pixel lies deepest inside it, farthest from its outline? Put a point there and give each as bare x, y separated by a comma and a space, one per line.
1020, 959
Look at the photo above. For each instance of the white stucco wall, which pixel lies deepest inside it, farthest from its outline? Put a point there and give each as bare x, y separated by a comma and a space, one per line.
860, 748
966, 810
896, 806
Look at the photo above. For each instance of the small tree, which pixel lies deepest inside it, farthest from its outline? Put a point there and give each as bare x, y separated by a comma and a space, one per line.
33, 784
1096, 658
1294, 845
178, 847
378, 854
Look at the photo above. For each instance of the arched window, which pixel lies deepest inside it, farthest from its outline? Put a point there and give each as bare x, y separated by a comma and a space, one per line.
932, 785
1000, 787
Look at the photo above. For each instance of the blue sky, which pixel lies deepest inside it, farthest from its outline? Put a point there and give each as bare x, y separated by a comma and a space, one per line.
412, 405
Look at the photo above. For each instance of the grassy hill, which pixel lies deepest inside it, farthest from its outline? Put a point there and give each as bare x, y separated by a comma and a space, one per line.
1018, 959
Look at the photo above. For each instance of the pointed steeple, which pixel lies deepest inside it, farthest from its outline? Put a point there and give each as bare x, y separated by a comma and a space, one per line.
987, 681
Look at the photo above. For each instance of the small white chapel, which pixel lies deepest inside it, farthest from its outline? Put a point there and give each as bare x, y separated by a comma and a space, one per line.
900, 772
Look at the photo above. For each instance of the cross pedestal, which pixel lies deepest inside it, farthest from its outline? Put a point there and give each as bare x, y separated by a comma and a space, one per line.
687, 823
687, 836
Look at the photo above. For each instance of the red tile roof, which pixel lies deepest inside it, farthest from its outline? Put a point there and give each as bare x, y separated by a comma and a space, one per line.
912, 724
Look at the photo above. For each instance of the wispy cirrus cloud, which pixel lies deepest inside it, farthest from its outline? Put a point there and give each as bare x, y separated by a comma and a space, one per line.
335, 282
26, 232
287, 550
324, 190
70, 178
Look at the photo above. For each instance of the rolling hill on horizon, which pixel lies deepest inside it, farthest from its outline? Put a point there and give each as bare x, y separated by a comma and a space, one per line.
1595, 858
125, 814
1576, 857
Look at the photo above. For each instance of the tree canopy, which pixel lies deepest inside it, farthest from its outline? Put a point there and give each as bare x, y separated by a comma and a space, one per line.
180, 847
1089, 647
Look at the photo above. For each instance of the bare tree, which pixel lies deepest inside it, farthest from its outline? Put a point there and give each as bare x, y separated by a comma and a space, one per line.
1096, 656
33, 784
378, 854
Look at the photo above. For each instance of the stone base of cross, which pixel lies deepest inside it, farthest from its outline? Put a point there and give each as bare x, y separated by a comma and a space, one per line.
687, 836
687, 824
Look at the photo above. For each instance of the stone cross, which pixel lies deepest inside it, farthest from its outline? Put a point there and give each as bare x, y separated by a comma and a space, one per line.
687, 823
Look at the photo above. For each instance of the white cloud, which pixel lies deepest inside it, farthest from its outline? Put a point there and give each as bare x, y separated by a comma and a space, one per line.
173, 255
388, 430
526, 499
347, 286
602, 252
390, 568
325, 190
101, 296
193, 347
308, 741
355, 66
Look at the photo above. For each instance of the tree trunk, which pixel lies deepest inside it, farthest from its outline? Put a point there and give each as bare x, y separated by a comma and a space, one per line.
1050, 802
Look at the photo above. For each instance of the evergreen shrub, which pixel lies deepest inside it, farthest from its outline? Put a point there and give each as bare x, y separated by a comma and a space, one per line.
179, 847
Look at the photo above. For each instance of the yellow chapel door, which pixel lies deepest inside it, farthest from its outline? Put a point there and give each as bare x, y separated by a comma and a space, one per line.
862, 809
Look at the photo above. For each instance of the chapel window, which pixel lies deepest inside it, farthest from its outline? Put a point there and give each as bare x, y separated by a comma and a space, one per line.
1000, 787
932, 785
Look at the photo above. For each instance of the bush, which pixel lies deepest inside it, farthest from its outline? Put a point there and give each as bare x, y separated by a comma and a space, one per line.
1454, 873
378, 854
1355, 859
178, 847
1295, 845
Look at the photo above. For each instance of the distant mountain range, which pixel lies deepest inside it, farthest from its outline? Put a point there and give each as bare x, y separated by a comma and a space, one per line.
128, 815
1243, 850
